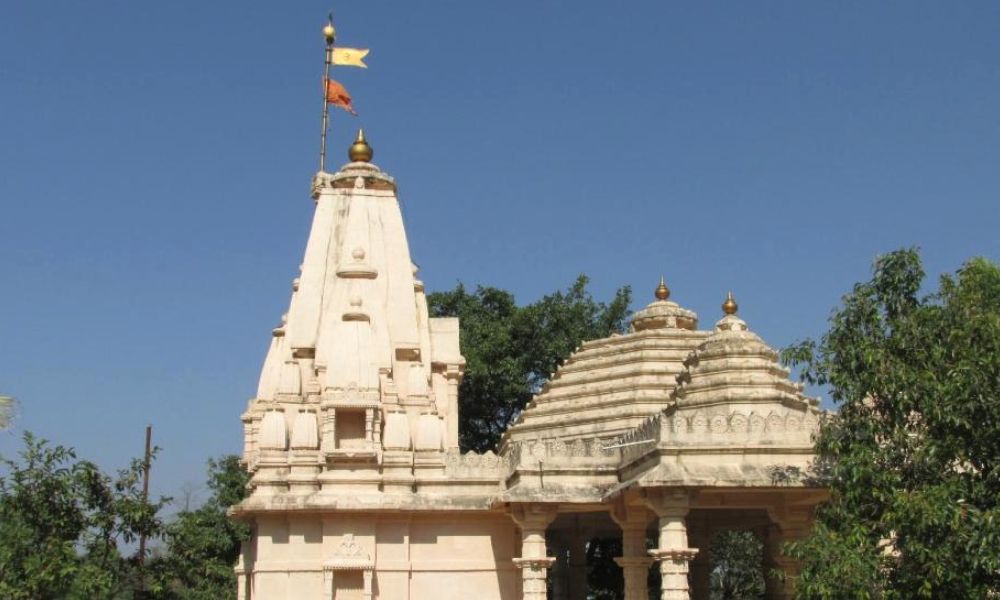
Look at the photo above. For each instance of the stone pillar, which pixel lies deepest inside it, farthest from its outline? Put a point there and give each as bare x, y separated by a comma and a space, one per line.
533, 519
634, 560
367, 591
327, 584
672, 552
454, 377
783, 528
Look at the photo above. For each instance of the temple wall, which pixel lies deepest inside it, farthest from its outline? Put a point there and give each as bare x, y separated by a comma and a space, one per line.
445, 556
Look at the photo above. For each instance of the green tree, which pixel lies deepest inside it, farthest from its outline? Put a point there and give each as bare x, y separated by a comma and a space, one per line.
913, 453
736, 559
511, 350
202, 545
61, 523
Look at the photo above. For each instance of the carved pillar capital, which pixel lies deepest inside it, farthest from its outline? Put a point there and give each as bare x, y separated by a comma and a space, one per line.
668, 503
533, 515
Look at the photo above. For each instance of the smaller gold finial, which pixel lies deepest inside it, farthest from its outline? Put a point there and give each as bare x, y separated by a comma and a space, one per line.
329, 32
729, 306
662, 291
360, 151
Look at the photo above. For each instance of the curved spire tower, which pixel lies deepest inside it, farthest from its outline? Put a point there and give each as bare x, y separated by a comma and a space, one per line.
358, 379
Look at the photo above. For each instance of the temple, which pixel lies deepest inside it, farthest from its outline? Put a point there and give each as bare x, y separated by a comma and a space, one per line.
659, 437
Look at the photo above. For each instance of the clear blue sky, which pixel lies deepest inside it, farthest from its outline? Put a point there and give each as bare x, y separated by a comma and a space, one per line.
155, 160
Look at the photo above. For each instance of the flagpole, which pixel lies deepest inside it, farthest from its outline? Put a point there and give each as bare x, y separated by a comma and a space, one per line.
329, 33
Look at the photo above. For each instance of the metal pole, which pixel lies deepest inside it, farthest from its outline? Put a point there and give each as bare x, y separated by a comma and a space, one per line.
145, 499
326, 85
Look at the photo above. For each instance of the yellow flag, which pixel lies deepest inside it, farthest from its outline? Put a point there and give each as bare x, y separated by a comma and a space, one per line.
350, 57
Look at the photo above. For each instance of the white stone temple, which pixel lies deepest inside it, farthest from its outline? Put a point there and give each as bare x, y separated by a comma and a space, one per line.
660, 437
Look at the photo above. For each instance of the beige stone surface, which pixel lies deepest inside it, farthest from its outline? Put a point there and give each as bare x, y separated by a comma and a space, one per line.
358, 487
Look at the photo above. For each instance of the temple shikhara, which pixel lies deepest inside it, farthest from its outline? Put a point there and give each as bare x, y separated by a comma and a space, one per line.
660, 437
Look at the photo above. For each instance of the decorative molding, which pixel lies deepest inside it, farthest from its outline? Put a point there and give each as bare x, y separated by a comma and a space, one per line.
534, 564
349, 555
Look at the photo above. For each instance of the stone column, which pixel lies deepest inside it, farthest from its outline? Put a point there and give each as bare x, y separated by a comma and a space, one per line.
367, 590
672, 552
786, 528
327, 584
454, 377
533, 519
634, 560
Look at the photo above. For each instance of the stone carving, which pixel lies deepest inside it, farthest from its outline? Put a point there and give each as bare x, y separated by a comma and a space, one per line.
699, 424
679, 424
734, 427
739, 423
578, 452
774, 423
718, 424
349, 547
559, 448
471, 465
349, 555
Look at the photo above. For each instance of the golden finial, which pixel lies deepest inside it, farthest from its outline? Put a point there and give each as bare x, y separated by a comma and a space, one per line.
329, 32
360, 150
662, 291
729, 306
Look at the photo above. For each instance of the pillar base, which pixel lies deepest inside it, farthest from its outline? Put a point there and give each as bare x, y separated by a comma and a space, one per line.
533, 576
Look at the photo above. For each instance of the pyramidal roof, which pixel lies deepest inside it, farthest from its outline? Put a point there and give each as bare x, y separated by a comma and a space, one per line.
665, 365
611, 385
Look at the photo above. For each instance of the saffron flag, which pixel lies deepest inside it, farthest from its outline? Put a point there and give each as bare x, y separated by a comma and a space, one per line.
350, 57
337, 95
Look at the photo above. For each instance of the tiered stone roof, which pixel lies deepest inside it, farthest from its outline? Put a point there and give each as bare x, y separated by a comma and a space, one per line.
664, 405
611, 385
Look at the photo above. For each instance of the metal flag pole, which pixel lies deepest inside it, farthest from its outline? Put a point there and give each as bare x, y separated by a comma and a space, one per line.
329, 33
145, 499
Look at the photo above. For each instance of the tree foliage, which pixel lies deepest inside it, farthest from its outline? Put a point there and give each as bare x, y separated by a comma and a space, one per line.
913, 453
62, 524
511, 350
202, 545
736, 559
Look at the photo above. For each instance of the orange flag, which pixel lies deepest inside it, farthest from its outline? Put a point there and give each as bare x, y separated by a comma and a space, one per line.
337, 95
